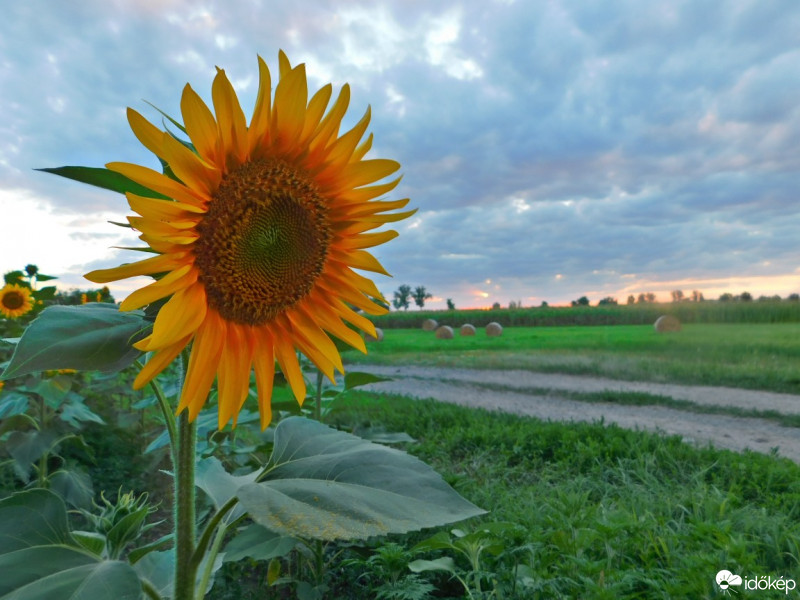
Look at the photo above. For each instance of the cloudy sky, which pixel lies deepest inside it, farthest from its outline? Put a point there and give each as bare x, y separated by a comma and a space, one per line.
554, 148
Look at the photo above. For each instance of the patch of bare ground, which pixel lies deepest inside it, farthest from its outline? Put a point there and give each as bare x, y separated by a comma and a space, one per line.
542, 395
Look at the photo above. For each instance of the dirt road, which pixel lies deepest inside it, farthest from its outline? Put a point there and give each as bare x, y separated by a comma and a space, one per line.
542, 395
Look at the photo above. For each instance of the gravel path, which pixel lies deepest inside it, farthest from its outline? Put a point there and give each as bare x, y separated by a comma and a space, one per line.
537, 394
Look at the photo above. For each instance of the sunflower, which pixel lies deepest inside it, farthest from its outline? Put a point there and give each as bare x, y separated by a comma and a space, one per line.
257, 239
15, 301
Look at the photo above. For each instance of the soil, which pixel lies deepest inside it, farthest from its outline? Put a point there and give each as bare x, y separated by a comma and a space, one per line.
542, 395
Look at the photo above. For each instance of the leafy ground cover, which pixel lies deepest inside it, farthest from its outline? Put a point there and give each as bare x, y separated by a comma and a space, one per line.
753, 356
602, 512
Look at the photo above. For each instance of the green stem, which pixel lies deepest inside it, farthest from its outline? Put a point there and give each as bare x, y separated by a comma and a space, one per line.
185, 569
319, 551
45, 457
209, 530
166, 411
318, 402
150, 590
212, 557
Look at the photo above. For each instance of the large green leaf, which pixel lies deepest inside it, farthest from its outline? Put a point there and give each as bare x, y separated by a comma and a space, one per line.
258, 543
39, 558
103, 178
326, 484
91, 337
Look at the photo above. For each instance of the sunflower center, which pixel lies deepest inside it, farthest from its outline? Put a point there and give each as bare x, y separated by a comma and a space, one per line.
263, 241
13, 300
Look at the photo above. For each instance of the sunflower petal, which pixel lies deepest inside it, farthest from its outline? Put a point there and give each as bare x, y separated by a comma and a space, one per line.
233, 375
203, 363
289, 112
264, 367
259, 124
189, 167
180, 316
162, 210
158, 183
368, 240
200, 125
167, 285
158, 362
148, 134
230, 118
287, 359
148, 266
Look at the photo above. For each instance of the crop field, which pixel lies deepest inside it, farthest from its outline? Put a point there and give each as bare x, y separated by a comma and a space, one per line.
747, 355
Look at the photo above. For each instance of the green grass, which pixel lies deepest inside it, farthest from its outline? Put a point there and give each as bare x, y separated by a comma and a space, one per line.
753, 356
606, 512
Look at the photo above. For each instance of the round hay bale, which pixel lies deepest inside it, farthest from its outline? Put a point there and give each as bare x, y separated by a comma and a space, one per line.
445, 332
667, 323
494, 329
429, 325
378, 336
467, 329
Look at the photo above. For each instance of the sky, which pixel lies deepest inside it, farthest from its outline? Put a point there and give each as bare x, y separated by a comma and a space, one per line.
554, 149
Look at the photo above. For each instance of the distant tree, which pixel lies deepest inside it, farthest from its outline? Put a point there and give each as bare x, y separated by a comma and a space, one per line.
745, 297
402, 297
645, 298
450, 304
496, 306
697, 296
726, 297
631, 299
544, 304
677, 295
793, 297
582, 301
517, 304
764, 298
420, 295
608, 300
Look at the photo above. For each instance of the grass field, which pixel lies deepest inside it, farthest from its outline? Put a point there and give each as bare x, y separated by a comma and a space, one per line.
754, 356
602, 512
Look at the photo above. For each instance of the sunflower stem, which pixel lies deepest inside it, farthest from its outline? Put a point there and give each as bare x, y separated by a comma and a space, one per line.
166, 411
185, 568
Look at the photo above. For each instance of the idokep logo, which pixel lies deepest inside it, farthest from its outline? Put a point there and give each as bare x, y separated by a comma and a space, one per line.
728, 581
725, 579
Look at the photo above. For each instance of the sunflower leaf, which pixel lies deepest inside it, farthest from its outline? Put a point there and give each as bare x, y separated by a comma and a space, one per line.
39, 558
103, 178
321, 483
92, 337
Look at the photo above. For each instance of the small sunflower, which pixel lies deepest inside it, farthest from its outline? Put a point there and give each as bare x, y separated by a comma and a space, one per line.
15, 301
258, 242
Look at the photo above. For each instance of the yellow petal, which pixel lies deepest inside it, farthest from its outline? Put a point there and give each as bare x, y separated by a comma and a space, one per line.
156, 264
289, 112
362, 150
330, 321
340, 151
259, 125
264, 366
320, 348
158, 362
159, 183
363, 173
367, 240
233, 375
329, 126
359, 259
148, 134
362, 195
189, 167
230, 119
163, 210
353, 317
316, 108
179, 317
287, 359
200, 125
167, 285
203, 362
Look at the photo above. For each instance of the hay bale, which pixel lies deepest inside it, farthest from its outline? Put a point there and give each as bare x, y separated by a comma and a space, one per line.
377, 338
467, 329
667, 323
429, 325
494, 329
445, 332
